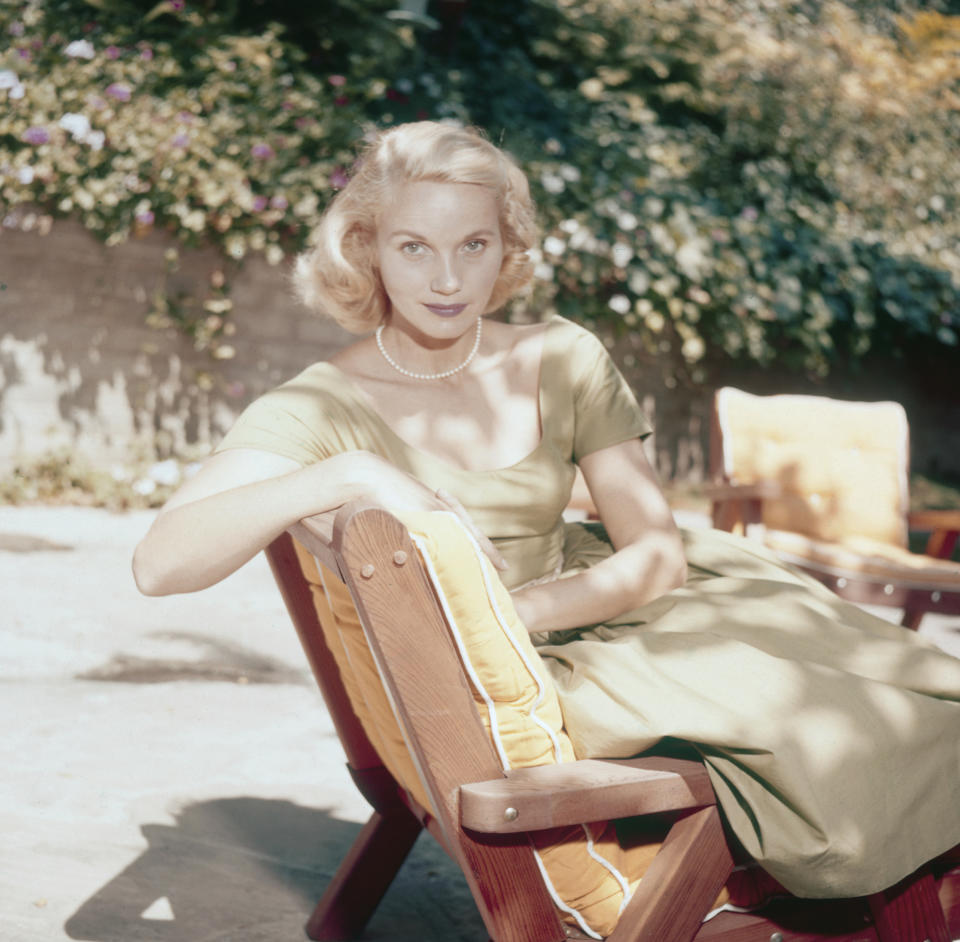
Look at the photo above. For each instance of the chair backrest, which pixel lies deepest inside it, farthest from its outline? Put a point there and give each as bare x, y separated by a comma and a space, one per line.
841, 467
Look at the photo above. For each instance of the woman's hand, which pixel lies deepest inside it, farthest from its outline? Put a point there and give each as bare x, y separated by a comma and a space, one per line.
387, 486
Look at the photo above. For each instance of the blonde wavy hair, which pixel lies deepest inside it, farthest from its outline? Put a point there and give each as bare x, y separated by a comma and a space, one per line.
339, 275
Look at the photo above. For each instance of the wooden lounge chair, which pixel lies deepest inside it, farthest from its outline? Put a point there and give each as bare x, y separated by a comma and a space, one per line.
823, 483
486, 818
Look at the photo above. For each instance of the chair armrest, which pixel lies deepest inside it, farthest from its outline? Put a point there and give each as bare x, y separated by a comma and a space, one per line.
945, 526
736, 506
568, 793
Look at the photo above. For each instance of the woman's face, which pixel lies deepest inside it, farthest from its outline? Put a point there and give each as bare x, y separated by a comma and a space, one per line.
439, 251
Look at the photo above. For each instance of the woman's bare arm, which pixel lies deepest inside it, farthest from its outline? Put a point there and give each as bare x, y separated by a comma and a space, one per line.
241, 499
648, 559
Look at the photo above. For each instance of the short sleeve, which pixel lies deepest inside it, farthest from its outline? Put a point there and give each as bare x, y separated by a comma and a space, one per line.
300, 420
606, 411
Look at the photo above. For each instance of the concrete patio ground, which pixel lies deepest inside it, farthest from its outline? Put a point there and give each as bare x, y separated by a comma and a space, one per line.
169, 771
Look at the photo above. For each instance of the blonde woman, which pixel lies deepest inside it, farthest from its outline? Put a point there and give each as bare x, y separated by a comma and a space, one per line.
833, 738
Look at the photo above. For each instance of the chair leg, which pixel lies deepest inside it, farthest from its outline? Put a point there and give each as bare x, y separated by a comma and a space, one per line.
912, 618
910, 911
364, 876
681, 883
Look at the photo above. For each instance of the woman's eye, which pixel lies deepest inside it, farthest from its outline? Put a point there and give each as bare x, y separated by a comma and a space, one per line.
475, 245
412, 248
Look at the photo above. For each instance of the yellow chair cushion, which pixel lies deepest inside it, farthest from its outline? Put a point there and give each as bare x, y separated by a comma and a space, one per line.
589, 871
841, 466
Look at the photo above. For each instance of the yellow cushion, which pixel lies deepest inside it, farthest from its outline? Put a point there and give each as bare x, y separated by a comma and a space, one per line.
842, 466
589, 871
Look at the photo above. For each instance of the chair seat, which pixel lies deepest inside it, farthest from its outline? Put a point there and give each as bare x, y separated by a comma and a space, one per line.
867, 559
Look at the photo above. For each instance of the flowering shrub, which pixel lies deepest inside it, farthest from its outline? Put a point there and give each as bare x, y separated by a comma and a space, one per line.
768, 180
132, 119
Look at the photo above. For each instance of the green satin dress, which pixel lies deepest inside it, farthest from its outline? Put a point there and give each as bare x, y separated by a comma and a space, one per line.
832, 737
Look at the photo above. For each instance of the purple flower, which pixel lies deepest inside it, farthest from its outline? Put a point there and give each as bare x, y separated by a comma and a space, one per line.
36, 135
259, 204
262, 151
146, 53
279, 202
339, 178
146, 218
177, 5
25, 54
181, 140
119, 91
113, 52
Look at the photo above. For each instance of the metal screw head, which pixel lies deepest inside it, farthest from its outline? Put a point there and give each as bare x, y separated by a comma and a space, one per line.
776, 937
399, 557
511, 814
368, 570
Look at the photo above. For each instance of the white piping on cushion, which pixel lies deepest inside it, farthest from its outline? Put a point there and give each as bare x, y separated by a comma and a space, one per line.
505, 628
458, 641
559, 903
494, 729
609, 867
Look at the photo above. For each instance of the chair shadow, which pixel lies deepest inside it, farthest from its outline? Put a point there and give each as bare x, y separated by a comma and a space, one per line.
251, 869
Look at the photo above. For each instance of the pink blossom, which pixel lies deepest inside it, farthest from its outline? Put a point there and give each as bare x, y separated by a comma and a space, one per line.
262, 151
35, 135
177, 5
113, 52
337, 80
181, 140
259, 204
341, 100
339, 178
119, 91
146, 53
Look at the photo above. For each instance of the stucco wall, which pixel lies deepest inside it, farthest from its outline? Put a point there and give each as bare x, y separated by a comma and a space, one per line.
79, 369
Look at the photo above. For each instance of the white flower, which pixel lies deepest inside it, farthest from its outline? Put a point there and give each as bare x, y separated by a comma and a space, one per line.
96, 139
165, 472
17, 92
554, 246
80, 49
627, 222
8, 78
25, 175
639, 282
693, 349
619, 303
553, 183
543, 271
569, 173
621, 254
144, 487
569, 226
77, 124
653, 206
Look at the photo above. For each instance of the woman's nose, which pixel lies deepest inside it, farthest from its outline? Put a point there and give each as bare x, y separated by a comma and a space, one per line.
446, 278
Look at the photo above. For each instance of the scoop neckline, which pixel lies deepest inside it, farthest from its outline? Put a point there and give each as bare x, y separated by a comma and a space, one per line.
361, 397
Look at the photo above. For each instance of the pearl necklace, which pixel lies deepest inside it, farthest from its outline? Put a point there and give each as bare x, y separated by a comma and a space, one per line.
445, 373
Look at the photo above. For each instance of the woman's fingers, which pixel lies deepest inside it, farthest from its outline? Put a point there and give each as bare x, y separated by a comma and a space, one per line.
446, 498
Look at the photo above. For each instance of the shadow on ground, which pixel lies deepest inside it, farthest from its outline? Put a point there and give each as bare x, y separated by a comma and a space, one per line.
250, 869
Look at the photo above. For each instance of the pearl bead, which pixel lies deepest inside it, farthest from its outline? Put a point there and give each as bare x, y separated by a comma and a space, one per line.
445, 373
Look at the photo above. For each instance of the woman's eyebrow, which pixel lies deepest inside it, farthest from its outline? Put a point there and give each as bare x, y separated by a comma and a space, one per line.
409, 234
